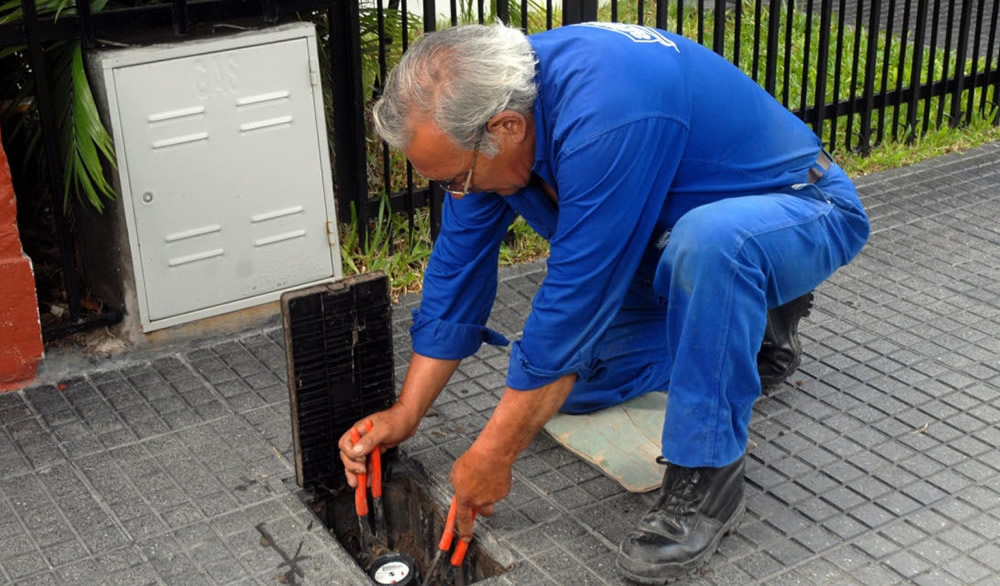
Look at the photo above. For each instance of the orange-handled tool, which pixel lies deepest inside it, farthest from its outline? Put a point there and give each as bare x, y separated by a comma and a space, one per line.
381, 530
457, 557
361, 502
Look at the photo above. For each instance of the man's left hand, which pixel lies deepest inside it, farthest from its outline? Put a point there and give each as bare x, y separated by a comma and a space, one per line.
481, 479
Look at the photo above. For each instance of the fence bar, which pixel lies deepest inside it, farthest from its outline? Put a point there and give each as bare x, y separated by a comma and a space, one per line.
756, 39
430, 17
838, 61
47, 118
86, 24
503, 11
380, 85
614, 11
962, 49
931, 56
548, 13
436, 195
969, 105
947, 59
885, 70
348, 110
408, 197
661, 14
481, 11
576, 11
918, 54
989, 63
738, 20
853, 91
182, 25
938, 88
899, 68
680, 16
822, 63
803, 99
719, 27
773, 26
453, 12
524, 15
871, 57
789, 16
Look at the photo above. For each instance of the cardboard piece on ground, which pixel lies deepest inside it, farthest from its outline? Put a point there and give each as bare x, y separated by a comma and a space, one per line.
622, 441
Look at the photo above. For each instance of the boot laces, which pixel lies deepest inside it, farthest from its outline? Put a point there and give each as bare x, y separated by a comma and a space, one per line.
679, 494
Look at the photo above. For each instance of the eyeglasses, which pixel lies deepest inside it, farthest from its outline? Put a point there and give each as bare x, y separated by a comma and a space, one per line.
451, 185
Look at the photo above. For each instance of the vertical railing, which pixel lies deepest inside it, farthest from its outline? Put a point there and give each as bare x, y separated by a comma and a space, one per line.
900, 69
41, 72
963, 46
180, 14
344, 46
47, 119
995, 20
846, 90
575, 11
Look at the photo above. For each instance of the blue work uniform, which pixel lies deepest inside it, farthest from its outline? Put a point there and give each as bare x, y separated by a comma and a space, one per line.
685, 210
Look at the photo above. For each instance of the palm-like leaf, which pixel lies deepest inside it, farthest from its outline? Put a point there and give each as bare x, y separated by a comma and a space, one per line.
84, 142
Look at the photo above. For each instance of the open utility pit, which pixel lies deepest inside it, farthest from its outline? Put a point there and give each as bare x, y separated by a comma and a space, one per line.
338, 340
415, 522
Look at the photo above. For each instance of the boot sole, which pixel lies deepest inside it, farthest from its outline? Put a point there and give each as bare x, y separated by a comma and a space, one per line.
665, 574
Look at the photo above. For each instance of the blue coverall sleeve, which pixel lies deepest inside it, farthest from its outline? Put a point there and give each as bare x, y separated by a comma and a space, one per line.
460, 282
611, 191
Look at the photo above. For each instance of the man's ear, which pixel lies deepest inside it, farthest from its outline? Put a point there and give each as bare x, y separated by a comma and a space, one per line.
509, 124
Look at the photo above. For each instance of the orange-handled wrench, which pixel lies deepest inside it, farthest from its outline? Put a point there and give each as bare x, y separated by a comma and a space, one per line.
458, 556
361, 503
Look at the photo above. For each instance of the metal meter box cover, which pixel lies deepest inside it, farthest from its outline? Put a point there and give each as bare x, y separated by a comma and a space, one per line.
223, 170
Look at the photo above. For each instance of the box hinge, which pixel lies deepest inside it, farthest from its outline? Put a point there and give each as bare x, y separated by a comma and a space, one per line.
314, 72
331, 232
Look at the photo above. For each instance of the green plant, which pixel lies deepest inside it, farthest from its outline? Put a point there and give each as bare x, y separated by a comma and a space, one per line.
84, 143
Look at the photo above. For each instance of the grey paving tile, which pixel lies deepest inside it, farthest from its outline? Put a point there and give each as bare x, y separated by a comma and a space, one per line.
878, 465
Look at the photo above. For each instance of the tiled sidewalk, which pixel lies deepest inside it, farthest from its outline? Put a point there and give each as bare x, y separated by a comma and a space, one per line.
876, 464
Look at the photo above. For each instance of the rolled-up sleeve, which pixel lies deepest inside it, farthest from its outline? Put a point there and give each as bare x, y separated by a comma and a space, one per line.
611, 191
460, 282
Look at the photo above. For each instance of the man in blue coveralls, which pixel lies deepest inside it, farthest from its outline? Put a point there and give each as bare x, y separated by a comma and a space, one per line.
681, 203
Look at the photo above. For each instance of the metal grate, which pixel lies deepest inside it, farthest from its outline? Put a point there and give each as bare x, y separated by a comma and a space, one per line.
338, 342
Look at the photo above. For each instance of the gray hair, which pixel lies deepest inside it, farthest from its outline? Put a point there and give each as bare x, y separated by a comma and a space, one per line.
460, 78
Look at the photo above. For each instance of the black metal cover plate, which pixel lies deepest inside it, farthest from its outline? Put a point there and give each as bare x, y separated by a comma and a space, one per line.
338, 344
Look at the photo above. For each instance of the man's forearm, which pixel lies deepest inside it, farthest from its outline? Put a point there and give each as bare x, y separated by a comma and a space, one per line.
425, 379
519, 417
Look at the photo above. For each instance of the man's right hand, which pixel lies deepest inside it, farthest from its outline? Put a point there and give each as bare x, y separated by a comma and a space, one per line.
389, 428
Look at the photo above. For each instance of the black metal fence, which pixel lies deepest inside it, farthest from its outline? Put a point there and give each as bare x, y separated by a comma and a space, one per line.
860, 72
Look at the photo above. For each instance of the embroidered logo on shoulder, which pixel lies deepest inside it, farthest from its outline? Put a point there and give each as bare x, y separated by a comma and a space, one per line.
638, 34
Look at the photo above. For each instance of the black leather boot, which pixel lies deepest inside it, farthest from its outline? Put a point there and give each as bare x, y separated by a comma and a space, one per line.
696, 508
781, 352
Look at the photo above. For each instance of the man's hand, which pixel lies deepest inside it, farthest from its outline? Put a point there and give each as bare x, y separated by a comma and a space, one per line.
480, 479
425, 379
389, 428
482, 476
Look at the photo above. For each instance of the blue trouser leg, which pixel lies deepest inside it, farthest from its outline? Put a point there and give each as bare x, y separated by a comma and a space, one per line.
724, 265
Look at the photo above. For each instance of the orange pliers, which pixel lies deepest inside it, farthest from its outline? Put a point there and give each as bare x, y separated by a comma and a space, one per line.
457, 557
380, 535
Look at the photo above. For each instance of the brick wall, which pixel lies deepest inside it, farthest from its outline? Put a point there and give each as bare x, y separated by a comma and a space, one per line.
20, 330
